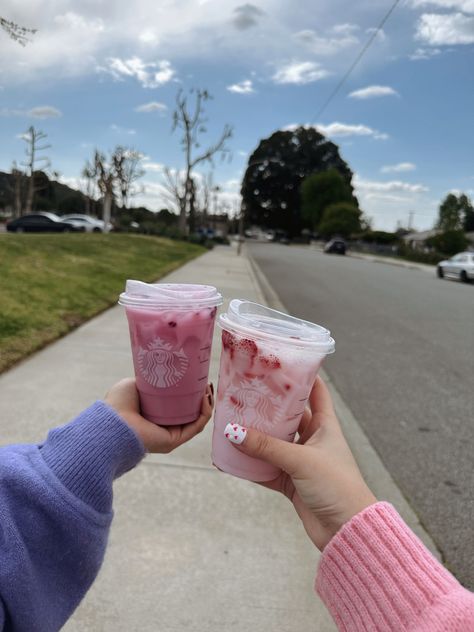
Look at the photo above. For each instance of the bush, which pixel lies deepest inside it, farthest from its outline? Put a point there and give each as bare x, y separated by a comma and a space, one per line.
448, 243
431, 258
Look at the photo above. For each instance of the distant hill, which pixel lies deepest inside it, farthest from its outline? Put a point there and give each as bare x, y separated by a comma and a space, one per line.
50, 196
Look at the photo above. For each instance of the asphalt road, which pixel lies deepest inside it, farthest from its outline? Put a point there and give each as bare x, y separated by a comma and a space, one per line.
404, 363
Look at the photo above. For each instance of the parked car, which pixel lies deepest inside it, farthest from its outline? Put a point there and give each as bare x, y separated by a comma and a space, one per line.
336, 246
43, 222
91, 224
461, 266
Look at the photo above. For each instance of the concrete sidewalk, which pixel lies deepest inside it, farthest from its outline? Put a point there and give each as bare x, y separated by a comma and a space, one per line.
191, 549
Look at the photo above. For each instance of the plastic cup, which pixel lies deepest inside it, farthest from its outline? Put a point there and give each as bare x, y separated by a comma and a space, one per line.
171, 328
269, 362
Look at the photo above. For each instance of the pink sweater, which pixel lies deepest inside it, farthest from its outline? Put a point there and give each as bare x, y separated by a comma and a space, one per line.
375, 575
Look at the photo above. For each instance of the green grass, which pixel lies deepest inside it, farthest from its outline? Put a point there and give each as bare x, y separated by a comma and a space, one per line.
50, 284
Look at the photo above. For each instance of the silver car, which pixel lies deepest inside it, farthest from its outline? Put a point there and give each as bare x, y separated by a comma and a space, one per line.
90, 224
461, 266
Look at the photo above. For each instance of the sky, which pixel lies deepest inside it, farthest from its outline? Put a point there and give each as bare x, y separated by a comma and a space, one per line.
99, 73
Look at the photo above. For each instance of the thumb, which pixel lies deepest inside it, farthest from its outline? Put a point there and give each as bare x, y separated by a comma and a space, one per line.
254, 443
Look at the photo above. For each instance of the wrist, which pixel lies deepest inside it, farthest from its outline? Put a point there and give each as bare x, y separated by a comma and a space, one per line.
360, 501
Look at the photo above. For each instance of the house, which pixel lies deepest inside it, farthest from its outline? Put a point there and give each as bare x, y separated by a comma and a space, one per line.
417, 240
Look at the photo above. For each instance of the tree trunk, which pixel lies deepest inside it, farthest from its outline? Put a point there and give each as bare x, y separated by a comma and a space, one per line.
30, 193
107, 202
17, 195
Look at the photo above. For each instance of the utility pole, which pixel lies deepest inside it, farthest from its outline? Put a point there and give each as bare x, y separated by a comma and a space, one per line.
411, 215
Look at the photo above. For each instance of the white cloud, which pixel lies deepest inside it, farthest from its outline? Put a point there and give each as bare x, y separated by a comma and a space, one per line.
44, 112
157, 167
300, 73
337, 129
246, 15
425, 53
461, 5
153, 106
445, 29
244, 87
393, 186
122, 130
149, 74
398, 168
338, 38
373, 91
39, 112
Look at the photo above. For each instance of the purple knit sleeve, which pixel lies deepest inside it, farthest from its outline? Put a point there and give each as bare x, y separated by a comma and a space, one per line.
55, 515
375, 574
88, 453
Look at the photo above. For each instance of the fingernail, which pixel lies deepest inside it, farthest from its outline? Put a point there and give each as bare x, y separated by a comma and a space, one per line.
210, 399
235, 433
212, 388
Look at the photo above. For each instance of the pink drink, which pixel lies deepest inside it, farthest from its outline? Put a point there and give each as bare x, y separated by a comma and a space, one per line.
171, 328
269, 362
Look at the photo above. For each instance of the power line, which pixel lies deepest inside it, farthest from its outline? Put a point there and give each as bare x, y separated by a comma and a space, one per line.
356, 61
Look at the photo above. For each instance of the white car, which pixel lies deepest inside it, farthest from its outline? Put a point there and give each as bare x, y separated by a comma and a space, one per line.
90, 224
461, 266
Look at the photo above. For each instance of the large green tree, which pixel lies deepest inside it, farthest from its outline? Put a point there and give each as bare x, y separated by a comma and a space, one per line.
342, 219
320, 190
467, 212
449, 217
276, 169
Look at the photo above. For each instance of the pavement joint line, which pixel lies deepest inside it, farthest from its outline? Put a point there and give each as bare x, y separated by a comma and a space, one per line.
153, 463
358, 440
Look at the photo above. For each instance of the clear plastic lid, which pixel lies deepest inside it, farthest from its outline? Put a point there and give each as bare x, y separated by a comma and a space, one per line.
169, 295
252, 319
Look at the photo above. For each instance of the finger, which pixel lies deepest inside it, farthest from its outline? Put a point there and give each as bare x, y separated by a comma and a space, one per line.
280, 453
188, 431
305, 420
320, 400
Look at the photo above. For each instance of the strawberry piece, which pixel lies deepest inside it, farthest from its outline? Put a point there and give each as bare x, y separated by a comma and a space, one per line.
228, 340
248, 346
270, 362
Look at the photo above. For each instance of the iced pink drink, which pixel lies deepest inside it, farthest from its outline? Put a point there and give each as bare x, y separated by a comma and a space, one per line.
171, 333
265, 379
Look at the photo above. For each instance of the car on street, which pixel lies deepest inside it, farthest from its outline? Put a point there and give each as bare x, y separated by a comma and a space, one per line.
461, 267
42, 222
91, 224
335, 246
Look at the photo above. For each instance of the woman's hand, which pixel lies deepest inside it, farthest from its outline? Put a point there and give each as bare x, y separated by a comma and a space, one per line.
123, 397
320, 475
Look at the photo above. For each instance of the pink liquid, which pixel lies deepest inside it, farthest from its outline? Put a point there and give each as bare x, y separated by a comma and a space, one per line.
263, 385
171, 351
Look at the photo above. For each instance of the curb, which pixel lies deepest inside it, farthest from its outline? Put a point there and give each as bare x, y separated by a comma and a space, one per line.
411, 265
374, 471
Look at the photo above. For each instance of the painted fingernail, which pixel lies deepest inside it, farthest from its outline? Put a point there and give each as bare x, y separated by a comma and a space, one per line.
210, 399
235, 433
212, 388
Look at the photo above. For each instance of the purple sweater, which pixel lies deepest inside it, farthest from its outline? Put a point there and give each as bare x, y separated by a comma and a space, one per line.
54, 523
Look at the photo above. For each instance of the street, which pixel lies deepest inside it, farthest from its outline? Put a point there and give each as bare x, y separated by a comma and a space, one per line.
404, 364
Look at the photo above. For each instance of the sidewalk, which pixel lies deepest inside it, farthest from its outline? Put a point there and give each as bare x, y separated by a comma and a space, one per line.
191, 549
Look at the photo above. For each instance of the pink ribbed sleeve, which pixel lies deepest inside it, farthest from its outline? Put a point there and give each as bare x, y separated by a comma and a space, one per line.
375, 575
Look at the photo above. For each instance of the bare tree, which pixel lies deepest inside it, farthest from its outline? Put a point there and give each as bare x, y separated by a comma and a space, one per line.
175, 190
17, 189
192, 122
16, 32
105, 176
88, 185
33, 139
128, 169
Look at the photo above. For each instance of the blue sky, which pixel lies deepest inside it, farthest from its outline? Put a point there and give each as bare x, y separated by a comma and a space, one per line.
101, 73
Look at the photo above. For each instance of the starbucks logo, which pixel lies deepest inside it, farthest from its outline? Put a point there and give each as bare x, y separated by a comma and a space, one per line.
161, 365
251, 403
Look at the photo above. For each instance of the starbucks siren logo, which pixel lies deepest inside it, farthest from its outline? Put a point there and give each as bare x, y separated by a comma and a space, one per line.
253, 404
160, 365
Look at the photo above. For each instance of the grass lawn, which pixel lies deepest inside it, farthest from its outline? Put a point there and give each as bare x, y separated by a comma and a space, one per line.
50, 284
